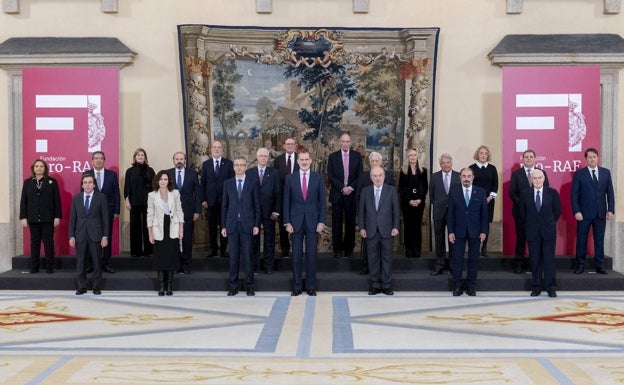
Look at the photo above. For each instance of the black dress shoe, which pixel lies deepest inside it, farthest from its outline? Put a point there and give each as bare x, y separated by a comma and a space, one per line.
457, 292
312, 292
438, 272
225, 255
374, 291
363, 272
295, 293
269, 270
552, 294
536, 293
108, 269
471, 292
601, 270
519, 270
34, 270
337, 255
97, 291
348, 254
579, 270
251, 292
81, 291
387, 291
89, 270
232, 292
50, 270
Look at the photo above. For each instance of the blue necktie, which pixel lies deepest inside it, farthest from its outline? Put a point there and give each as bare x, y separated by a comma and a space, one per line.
179, 180
87, 198
240, 188
538, 201
467, 198
217, 167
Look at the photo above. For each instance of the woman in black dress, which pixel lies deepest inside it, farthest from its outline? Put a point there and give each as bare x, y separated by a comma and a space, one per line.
413, 187
137, 185
40, 210
165, 224
486, 177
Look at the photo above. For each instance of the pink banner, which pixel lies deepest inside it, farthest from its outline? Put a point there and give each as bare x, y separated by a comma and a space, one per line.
69, 113
554, 111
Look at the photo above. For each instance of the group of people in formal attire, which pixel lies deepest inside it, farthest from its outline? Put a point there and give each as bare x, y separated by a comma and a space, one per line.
241, 203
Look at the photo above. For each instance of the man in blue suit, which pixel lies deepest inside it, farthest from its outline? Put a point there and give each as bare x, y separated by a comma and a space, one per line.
106, 182
593, 203
304, 219
467, 221
240, 221
214, 172
540, 208
186, 181
88, 226
268, 181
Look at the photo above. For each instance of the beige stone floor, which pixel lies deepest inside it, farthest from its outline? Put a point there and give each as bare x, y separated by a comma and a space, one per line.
56, 337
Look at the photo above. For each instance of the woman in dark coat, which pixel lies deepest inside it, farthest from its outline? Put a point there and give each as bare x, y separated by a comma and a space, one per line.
40, 210
413, 187
137, 185
486, 177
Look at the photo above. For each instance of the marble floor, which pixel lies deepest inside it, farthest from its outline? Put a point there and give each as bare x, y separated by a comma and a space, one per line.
56, 337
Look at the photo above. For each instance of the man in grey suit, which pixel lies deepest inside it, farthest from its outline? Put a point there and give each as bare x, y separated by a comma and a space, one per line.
442, 182
379, 223
88, 231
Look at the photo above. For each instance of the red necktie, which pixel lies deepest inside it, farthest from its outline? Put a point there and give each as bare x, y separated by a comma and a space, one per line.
304, 186
288, 164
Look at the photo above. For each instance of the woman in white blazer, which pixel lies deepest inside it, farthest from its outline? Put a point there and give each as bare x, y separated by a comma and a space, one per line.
165, 225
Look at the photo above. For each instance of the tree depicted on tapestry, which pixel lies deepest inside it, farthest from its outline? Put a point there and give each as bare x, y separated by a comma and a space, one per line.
225, 80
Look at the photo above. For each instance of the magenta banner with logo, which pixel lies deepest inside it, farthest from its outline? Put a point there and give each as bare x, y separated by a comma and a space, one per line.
69, 113
554, 111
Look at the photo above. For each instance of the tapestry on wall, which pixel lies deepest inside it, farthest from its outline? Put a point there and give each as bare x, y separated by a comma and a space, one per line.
253, 87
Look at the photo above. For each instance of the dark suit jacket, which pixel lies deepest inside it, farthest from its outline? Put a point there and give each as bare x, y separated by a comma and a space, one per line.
518, 183
89, 227
335, 172
213, 183
40, 206
592, 201
248, 206
138, 183
467, 222
365, 180
312, 209
190, 193
270, 190
280, 165
110, 188
386, 218
544, 222
438, 196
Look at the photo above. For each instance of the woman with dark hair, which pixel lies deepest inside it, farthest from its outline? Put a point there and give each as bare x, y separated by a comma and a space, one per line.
165, 225
486, 177
40, 210
137, 185
413, 188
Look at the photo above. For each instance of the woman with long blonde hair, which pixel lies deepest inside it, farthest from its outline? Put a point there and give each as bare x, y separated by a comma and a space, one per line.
413, 188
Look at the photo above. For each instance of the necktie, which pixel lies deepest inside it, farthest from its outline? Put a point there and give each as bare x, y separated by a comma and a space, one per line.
304, 186
447, 185
594, 177
98, 180
261, 176
179, 180
217, 167
529, 177
87, 199
467, 197
240, 188
345, 167
377, 194
288, 165
538, 201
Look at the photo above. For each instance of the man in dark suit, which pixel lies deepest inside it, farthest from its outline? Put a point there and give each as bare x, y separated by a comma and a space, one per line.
467, 220
380, 220
106, 182
593, 203
344, 168
286, 164
442, 182
304, 216
215, 171
541, 207
374, 159
240, 221
267, 179
520, 181
186, 181
88, 226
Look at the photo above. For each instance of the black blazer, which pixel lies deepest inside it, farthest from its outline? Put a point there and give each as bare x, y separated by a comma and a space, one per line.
213, 183
335, 172
138, 183
92, 226
517, 184
365, 180
190, 193
411, 187
544, 222
110, 188
270, 190
40, 205
438, 196
280, 165
386, 217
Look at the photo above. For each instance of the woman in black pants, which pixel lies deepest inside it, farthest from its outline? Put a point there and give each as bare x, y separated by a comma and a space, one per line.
138, 184
413, 187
